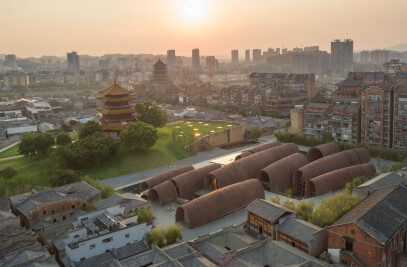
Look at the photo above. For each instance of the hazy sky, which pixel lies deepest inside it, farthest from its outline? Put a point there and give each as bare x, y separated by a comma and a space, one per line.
97, 27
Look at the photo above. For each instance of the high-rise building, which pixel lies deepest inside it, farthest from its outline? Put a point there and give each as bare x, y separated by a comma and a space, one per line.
284, 51
171, 60
235, 57
379, 56
195, 60
256, 55
365, 57
342, 55
211, 64
376, 116
247, 56
73, 61
399, 118
10, 61
277, 51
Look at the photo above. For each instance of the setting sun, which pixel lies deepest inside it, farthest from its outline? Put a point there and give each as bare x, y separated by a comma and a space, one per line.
192, 9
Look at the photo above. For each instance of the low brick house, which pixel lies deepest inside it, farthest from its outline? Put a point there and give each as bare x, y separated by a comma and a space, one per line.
53, 205
263, 216
374, 232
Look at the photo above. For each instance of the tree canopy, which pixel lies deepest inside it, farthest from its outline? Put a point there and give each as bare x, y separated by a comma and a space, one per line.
8, 173
255, 133
152, 114
138, 135
35, 144
89, 128
63, 139
89, 151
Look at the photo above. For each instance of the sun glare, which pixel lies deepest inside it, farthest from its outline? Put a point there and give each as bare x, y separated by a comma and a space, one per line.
193, 9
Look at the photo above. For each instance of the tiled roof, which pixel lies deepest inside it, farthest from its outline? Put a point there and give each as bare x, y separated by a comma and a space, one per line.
381, 214
115, 90
80, 190
298, 229
267, 210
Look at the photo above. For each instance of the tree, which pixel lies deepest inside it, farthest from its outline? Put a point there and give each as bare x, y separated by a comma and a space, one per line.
157, 237
255, 133
275, 199
138, 135
145, 214
152, 114
63, 139
89, 129
172, 233
43, 143
27, 146
304, 209
63, 177
106, 190
89, 151
326, 137
328, 210
7, 173
66, 128
355, 183
50, 140
273, 113
254, 112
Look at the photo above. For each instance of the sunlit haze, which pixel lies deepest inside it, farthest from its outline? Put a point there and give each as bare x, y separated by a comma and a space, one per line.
97, 27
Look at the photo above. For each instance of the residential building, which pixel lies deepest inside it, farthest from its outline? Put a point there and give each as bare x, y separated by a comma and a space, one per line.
37, 256
263, 217
365, 57
377, 115
247, 56
100, 231
15, 239
10, 61
235, 57
211, 64
379, 56
171, 59
55, 204
73, 61
399, 116
393, 66
16, 79
373, 232
342, 55
256, 56
196, 65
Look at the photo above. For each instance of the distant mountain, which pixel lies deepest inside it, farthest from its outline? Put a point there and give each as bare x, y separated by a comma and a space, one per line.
401, 47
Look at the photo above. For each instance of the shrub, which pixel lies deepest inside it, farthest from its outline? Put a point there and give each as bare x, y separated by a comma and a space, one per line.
145, 214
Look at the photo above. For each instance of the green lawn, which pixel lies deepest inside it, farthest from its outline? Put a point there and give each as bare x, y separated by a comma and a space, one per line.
164, 151
9, 152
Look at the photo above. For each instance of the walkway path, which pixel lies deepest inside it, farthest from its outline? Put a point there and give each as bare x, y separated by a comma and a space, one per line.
12, 157
199, 160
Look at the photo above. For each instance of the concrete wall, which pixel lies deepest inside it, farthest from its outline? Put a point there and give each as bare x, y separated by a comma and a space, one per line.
232, 135
297, 121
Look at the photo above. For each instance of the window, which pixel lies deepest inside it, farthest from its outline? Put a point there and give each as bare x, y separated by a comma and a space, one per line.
64, 218
52, 211
55, 220
84, 205
63, 207
348, 244
73, 206
92, 246
76, 236
107, 250
127, 235
44, 212
107, 240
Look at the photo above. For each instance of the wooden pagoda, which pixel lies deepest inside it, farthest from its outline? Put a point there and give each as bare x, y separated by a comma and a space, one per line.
117, 113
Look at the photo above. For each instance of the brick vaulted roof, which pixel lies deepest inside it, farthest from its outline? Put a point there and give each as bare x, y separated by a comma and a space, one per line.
381, 214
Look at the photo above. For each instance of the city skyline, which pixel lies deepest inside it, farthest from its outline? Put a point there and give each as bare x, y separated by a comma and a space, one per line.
134, 27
